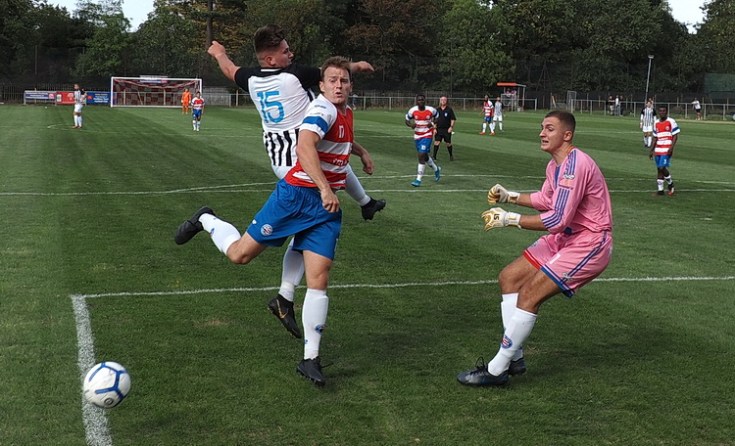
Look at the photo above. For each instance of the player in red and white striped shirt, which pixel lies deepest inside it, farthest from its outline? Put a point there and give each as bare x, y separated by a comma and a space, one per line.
421, 118
665, 134
304, 205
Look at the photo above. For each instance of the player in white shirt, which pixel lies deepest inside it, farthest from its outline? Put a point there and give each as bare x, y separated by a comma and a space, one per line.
80, 98
498, 116
648, 118
282, 92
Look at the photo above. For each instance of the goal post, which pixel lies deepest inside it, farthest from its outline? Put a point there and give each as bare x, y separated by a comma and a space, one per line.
571, 101
150, 91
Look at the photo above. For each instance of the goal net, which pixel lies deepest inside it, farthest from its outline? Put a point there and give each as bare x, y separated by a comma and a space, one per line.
150, 91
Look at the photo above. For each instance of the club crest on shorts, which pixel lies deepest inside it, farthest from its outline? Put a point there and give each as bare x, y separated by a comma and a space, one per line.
266, 229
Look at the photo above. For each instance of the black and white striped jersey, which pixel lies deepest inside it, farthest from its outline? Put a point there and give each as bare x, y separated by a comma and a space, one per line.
281, 96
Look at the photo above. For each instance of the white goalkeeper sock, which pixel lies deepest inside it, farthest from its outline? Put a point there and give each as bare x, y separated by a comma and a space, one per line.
507, 308
314, 319
519, 328
354, 188
223, 234
660, 184
292, 273
420, 171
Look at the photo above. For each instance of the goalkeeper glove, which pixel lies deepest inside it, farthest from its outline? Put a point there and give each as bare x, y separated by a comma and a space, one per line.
499, 194
498, 218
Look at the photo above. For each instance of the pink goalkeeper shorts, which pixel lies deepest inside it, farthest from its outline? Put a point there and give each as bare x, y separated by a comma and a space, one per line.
571, 261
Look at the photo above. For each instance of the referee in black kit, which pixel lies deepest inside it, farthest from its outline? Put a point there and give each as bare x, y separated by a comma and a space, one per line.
444, 127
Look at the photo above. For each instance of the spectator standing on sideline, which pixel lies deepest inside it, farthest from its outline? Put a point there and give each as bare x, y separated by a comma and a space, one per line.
697, 108
575, 207
445, 120
283, 91
304, 205
665, 134
80, 99
185, 101
420, 118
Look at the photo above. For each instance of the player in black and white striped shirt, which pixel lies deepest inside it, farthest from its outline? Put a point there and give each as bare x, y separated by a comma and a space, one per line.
648, 118
282, 92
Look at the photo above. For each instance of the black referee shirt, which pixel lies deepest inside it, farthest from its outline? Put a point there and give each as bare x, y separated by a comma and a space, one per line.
444, 117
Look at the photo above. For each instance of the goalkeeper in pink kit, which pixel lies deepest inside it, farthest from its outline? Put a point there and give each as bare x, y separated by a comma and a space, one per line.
575, 209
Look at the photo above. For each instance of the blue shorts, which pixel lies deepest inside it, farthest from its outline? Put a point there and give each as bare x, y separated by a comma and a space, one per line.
196, 114
662, 161
423, 145
297, 211
488, 119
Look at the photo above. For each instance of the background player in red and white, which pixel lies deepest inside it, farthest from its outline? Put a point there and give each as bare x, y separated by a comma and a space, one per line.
648, 118
282, 92
304, 205
665, 134
421, 118
487, 115
576, 211
80, 98
197, 110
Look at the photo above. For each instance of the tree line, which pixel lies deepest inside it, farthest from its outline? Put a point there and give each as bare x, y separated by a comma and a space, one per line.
446, 45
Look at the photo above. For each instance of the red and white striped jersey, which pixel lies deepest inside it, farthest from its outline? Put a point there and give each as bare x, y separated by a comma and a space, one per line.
664, 132
487, 108
197, 103
424, 120
336, 132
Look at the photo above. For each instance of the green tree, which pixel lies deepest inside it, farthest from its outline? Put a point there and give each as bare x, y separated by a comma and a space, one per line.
107, 50
716, 36
476, 59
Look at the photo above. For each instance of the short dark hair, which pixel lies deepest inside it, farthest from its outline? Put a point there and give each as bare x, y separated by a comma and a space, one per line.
337, 62
268, 37
566, 118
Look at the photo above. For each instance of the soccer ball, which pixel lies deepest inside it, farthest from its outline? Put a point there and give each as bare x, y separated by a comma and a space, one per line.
106, 384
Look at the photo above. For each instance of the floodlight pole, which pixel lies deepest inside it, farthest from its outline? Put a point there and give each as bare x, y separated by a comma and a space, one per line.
648, 77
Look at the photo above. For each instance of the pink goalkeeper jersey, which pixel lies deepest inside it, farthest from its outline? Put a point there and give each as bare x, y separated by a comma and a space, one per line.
574, 197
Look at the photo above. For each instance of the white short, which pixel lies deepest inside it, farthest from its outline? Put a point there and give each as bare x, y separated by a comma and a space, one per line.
498, 118
647, 129
78, 108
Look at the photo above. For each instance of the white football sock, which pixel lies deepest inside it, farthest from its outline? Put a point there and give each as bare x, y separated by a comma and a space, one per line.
354, 188
518, 330
660, 184
314, 318
668, 179
223, 234
292, 273
507, 308
432, 164
420, 171
484, 127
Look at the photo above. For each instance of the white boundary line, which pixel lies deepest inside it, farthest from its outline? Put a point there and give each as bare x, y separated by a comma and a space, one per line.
95, 420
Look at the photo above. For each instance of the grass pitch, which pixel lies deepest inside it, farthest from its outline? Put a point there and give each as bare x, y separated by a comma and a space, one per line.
90, 272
